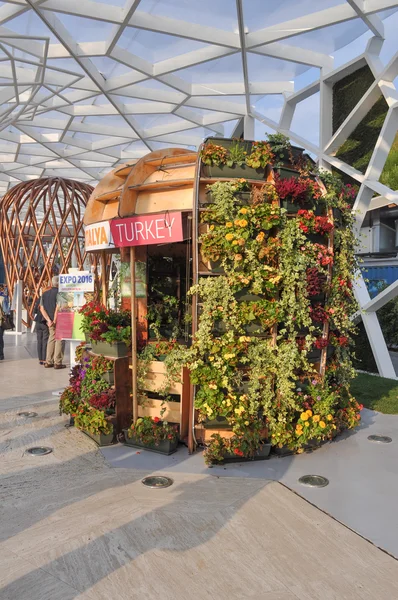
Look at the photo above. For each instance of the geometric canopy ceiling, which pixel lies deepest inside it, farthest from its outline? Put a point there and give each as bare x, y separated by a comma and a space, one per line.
85, 85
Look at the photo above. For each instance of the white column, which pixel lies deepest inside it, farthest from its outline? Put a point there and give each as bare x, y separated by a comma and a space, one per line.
248, 128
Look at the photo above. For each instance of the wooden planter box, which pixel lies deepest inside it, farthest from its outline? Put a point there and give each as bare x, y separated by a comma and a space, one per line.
164, 447
115, 350
175, 412
101, 439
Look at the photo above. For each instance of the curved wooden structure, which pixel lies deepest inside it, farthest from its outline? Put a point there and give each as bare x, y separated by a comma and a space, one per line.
162, 180
41, 230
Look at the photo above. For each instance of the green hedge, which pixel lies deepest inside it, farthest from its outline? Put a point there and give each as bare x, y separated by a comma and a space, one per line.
347, 93
357, 149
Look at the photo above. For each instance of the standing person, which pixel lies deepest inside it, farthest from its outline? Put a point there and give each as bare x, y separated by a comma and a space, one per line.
42, 333
48, 308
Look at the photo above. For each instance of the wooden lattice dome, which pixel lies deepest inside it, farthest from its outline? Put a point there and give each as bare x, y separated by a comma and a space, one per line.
41, 232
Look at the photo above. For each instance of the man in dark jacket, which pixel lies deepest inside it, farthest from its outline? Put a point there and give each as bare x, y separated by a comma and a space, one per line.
48, 308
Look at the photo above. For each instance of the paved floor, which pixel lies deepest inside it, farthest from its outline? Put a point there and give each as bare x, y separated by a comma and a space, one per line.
76, 527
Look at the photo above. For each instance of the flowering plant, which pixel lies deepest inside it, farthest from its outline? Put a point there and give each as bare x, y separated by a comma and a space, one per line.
213, 154
102, 324
92, 420
69, 401
105, 401
297, 191
260, 156
309, 223
151, 431
316, 281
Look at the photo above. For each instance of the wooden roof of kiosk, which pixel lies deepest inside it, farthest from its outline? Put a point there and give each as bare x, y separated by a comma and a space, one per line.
161, 181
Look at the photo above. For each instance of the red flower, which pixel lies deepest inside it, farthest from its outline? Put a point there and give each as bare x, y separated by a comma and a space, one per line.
156, 419
238, 452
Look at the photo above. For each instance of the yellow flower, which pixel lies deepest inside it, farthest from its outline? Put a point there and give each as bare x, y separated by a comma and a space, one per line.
228, 356
243, 222
237, 221
306, 424
239, 410
229, 236
235, 243
316, 418
212, 386
243, 211
299, 431
238, 257
304, 416
211, 358
309, 412
329, 418
229, 224
322, 424
260, 236
211, 227
246, 423
334, 427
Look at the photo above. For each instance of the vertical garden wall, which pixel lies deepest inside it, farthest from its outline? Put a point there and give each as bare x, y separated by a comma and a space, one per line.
270, 357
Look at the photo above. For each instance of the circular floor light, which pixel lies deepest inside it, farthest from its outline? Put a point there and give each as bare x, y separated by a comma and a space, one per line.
27, 414
39, 451
314, 481
157, 481
380, 439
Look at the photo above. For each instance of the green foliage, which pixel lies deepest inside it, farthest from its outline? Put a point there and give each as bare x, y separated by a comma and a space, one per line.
347, 92
152, 431
358, 148
92, 420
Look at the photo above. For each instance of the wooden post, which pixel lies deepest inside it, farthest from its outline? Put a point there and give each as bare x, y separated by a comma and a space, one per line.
133, 335
103, 278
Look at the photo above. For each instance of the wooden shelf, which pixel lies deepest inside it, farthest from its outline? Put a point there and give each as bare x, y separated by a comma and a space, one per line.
179, 159
124, 171
113, 195
161, 185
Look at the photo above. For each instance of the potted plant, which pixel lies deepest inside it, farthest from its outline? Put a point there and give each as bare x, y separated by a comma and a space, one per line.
109, 330
284, 152
235, 158
152, 434
94, 424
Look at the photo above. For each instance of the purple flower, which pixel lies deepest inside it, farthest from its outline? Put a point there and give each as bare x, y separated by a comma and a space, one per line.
313, 382
318, 397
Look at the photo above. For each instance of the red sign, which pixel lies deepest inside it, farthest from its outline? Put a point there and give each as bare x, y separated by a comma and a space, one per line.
147, 229
64, 325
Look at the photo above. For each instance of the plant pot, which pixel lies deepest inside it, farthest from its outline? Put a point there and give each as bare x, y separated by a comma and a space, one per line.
262, 454
217, 423
317, 238
284, 451
255, 328
318, 298
101, 439
114, 350
286, 172
245, 296
109, 377
242, 198
234, 172
165, 447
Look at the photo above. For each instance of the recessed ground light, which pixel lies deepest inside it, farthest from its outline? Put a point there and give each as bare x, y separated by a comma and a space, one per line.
39, 450
27, 414
157, 481
314, 481
380, 439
